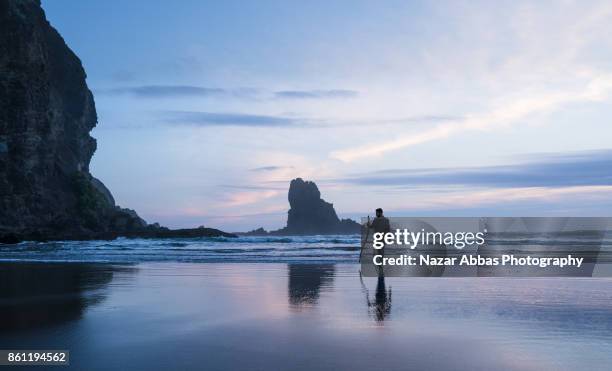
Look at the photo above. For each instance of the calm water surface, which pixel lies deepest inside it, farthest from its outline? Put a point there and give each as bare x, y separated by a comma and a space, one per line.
265, 316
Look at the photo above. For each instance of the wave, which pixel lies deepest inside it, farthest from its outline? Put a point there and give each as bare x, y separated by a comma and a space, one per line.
290, 249
285, 240
242, 249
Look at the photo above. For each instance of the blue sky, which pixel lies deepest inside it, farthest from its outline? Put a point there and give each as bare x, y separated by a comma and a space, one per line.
208, 109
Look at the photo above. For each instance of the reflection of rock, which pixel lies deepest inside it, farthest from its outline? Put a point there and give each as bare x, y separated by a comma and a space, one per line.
310, 214
34, 295
305, 281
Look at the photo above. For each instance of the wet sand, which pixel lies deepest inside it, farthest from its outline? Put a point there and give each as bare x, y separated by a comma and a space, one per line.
217, 316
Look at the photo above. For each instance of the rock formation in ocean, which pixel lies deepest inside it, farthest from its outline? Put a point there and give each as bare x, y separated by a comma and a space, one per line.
309, 214
46, 114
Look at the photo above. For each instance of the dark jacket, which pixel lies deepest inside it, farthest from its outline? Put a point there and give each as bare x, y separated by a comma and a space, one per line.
380, 224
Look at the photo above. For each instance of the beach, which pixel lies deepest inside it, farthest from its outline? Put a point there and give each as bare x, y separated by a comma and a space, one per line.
300, 316
315, 185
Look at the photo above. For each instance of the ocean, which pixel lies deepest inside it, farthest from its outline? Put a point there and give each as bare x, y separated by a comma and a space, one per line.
267, 249
287, 303
313, 249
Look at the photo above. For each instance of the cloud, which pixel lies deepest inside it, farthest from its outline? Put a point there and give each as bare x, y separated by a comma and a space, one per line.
123, 76
200, 118
597, 89
229, 119
577, 201
255, 187
416, 119
165, 91
168, 91
556, 170
271, 168
249, 197
316, 94
562, 197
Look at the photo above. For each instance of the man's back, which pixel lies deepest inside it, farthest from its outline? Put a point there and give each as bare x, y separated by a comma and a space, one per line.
380, 224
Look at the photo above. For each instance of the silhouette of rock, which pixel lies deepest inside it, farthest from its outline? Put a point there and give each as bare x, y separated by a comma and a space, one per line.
46, 114
310, 214
256, 232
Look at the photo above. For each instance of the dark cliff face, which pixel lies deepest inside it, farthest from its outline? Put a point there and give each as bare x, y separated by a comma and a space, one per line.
310, 214
46, 114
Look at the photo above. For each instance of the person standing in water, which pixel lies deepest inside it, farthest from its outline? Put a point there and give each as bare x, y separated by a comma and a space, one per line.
381, 306
380, 224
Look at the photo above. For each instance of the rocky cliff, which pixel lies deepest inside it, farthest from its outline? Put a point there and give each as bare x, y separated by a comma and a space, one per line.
46, 114
309, 214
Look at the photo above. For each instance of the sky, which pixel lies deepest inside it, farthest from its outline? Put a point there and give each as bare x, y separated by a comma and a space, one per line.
207, 109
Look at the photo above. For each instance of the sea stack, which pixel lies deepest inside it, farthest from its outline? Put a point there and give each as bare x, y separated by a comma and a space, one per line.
310, 214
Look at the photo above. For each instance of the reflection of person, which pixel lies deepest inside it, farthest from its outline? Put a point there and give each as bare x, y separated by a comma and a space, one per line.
380, 224
383, 300
381, 307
